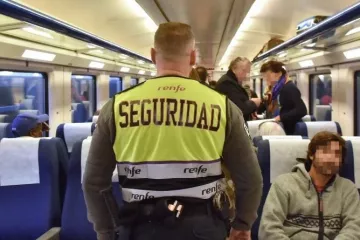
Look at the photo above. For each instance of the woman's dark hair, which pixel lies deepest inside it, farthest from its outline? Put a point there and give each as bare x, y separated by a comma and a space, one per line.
273, 66
322, 139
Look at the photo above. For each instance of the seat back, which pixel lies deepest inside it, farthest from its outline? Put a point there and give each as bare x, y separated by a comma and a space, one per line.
276, 157
5, 131
351, 170
257, 139
71, 133
75, 224
33, 112
80, 113
29, 187
308, 118
322, 112
309, 129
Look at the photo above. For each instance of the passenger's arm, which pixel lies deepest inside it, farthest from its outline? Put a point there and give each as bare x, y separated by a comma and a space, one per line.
98, 173
274, 215
240, 159
247, 107
299, 111
350, 216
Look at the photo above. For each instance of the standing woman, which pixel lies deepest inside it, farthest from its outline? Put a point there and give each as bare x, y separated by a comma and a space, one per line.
284, 101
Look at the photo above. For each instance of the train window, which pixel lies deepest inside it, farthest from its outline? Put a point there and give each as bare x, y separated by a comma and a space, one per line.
115, 86
320, 96
134, 81
83, 94
22, 92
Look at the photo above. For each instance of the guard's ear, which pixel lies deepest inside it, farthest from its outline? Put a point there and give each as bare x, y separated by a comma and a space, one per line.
153, 55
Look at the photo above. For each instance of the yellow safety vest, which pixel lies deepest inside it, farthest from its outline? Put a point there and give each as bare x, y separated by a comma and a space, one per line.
170, 133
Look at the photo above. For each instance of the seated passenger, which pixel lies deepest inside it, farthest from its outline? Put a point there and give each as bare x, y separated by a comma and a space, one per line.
285, 101
270, 128
313, 202
29, 125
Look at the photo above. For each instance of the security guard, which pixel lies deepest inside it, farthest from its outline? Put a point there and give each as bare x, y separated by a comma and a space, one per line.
168, 137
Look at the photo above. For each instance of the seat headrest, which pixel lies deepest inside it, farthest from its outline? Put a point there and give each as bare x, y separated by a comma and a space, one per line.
308, 118
282, 154
356, 155
74, 132
19, 161
95, 118
85, 147
310, 129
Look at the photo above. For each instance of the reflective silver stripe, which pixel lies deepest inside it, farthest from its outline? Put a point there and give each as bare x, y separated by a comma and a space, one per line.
170, 170
201, 192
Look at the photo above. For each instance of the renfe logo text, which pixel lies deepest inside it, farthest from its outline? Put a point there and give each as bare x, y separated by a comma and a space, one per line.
196, 170
132, 171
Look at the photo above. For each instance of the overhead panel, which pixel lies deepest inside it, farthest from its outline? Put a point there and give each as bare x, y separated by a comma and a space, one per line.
214, 22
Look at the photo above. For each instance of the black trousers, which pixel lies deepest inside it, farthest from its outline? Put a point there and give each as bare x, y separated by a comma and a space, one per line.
202, 227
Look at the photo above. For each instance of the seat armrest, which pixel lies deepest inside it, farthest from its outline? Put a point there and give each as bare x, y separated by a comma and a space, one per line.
52, 234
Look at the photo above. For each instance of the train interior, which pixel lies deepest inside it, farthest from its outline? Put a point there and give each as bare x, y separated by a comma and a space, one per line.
68, 58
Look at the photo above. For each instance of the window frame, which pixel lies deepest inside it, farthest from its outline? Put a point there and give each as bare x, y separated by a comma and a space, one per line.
311, 106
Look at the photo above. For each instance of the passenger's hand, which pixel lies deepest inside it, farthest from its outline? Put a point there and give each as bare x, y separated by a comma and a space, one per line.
257, 101
277, 119
239, 235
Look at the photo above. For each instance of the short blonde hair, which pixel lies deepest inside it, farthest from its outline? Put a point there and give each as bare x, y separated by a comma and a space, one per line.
237, 60
174, 39
270, 128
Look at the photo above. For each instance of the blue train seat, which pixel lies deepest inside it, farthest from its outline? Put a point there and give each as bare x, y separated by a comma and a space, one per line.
5, 131
29, 188
308, 118
71, 133
351, 169
94, 119
309, 129
276, 157
80, 113
33, 112
75, 224
257, 139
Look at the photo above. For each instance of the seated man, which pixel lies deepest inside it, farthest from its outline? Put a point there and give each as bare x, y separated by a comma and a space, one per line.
313, 202
29, 125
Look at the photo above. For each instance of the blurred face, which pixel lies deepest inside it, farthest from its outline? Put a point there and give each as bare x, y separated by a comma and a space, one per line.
327, 159
271, 78
242, 72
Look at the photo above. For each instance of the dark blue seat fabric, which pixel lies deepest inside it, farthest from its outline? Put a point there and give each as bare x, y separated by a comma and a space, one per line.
276, 156
63, 167
29, 210
80, 113
61, 133
75, 225
5, 131
257, 139
309, 129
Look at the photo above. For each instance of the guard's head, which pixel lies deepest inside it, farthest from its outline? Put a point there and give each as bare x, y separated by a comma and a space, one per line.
203, 74
174, 48
241, 67
29, 125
